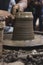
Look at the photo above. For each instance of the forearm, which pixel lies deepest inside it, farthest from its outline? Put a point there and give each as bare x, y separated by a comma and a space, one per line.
22, 4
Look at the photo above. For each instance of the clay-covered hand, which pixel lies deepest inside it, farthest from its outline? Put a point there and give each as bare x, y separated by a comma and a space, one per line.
15, 8
37, 3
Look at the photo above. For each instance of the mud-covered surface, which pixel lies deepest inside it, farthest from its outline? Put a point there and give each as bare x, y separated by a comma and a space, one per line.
38, 40
23, 57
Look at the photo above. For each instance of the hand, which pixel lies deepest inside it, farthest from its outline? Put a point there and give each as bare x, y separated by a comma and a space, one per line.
15, 8
36, 3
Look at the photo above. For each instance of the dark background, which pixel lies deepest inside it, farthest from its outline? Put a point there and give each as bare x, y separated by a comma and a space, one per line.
4, 4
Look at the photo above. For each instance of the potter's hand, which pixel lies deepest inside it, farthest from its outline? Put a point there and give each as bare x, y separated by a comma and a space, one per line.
37, 3
15, 8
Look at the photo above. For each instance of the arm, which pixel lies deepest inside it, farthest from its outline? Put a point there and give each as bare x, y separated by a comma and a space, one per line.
21, 5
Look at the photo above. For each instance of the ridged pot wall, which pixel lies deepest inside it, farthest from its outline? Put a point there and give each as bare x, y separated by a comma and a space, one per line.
23, 28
